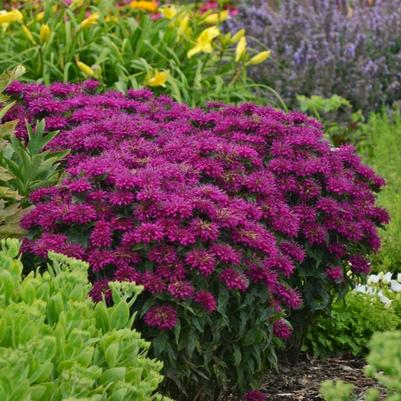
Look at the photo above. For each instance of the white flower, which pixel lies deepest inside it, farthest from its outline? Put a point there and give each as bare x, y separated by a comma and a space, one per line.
387, 278
399, 277
384, 300
395, 286
381, 275
373, 279
361, 288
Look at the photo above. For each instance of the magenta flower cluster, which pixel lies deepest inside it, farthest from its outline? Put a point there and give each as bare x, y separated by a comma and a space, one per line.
182, 200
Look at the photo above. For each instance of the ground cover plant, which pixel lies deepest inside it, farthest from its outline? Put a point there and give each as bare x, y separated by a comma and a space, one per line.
328, 48
56, 344
175, 49
230, 216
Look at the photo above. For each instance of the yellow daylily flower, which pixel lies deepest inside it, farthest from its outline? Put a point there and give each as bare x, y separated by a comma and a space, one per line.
45, 33
216, 18
169, 11
159, 78
237, 36
28, 33
260, 57
240, 49
183, 25
39, 17
91, 20
11, 16
150, 6
90, 72
204, 41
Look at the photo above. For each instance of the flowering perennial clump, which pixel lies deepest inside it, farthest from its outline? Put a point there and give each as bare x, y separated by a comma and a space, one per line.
189, 201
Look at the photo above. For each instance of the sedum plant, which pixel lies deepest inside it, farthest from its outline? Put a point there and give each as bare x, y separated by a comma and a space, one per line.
56, 344
384, 361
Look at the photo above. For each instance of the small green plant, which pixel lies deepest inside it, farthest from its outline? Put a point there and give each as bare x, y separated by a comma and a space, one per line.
30, 165
56, 344
341, 124
10, 210
384, 363
350, 326
24, 165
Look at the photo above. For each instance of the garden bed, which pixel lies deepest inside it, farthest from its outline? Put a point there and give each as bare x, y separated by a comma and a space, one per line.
302, 381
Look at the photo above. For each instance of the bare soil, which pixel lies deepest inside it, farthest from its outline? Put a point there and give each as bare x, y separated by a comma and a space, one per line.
301, 381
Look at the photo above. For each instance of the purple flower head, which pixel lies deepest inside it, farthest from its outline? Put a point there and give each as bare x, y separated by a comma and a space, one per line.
281, 329
206, 300
163, 317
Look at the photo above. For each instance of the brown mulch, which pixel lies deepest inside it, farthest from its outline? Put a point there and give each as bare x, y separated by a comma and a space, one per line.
301, 381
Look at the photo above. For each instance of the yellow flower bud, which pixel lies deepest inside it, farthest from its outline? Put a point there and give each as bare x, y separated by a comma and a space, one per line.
260, 58
76, 3
28, 33
91, 20
40, 16
240, 34
45, 33
217, 18
86, 69
11, 16
169, 11
159, 78
111, 18
241, 49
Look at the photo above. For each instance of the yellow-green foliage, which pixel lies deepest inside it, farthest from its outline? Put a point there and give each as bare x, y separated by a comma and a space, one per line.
56, 344
384, 365
382, 151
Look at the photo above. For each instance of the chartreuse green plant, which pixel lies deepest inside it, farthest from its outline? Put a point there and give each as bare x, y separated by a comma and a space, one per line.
382, 150
384, 362
56, 344
181, 53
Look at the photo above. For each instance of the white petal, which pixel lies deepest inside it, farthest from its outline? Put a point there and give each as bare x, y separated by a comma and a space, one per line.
387, 278
395, 286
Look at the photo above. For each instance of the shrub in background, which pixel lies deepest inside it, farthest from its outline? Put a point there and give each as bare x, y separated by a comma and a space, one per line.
56, 344
322, 48
384, 365
382, 150
228, 216
174, 49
